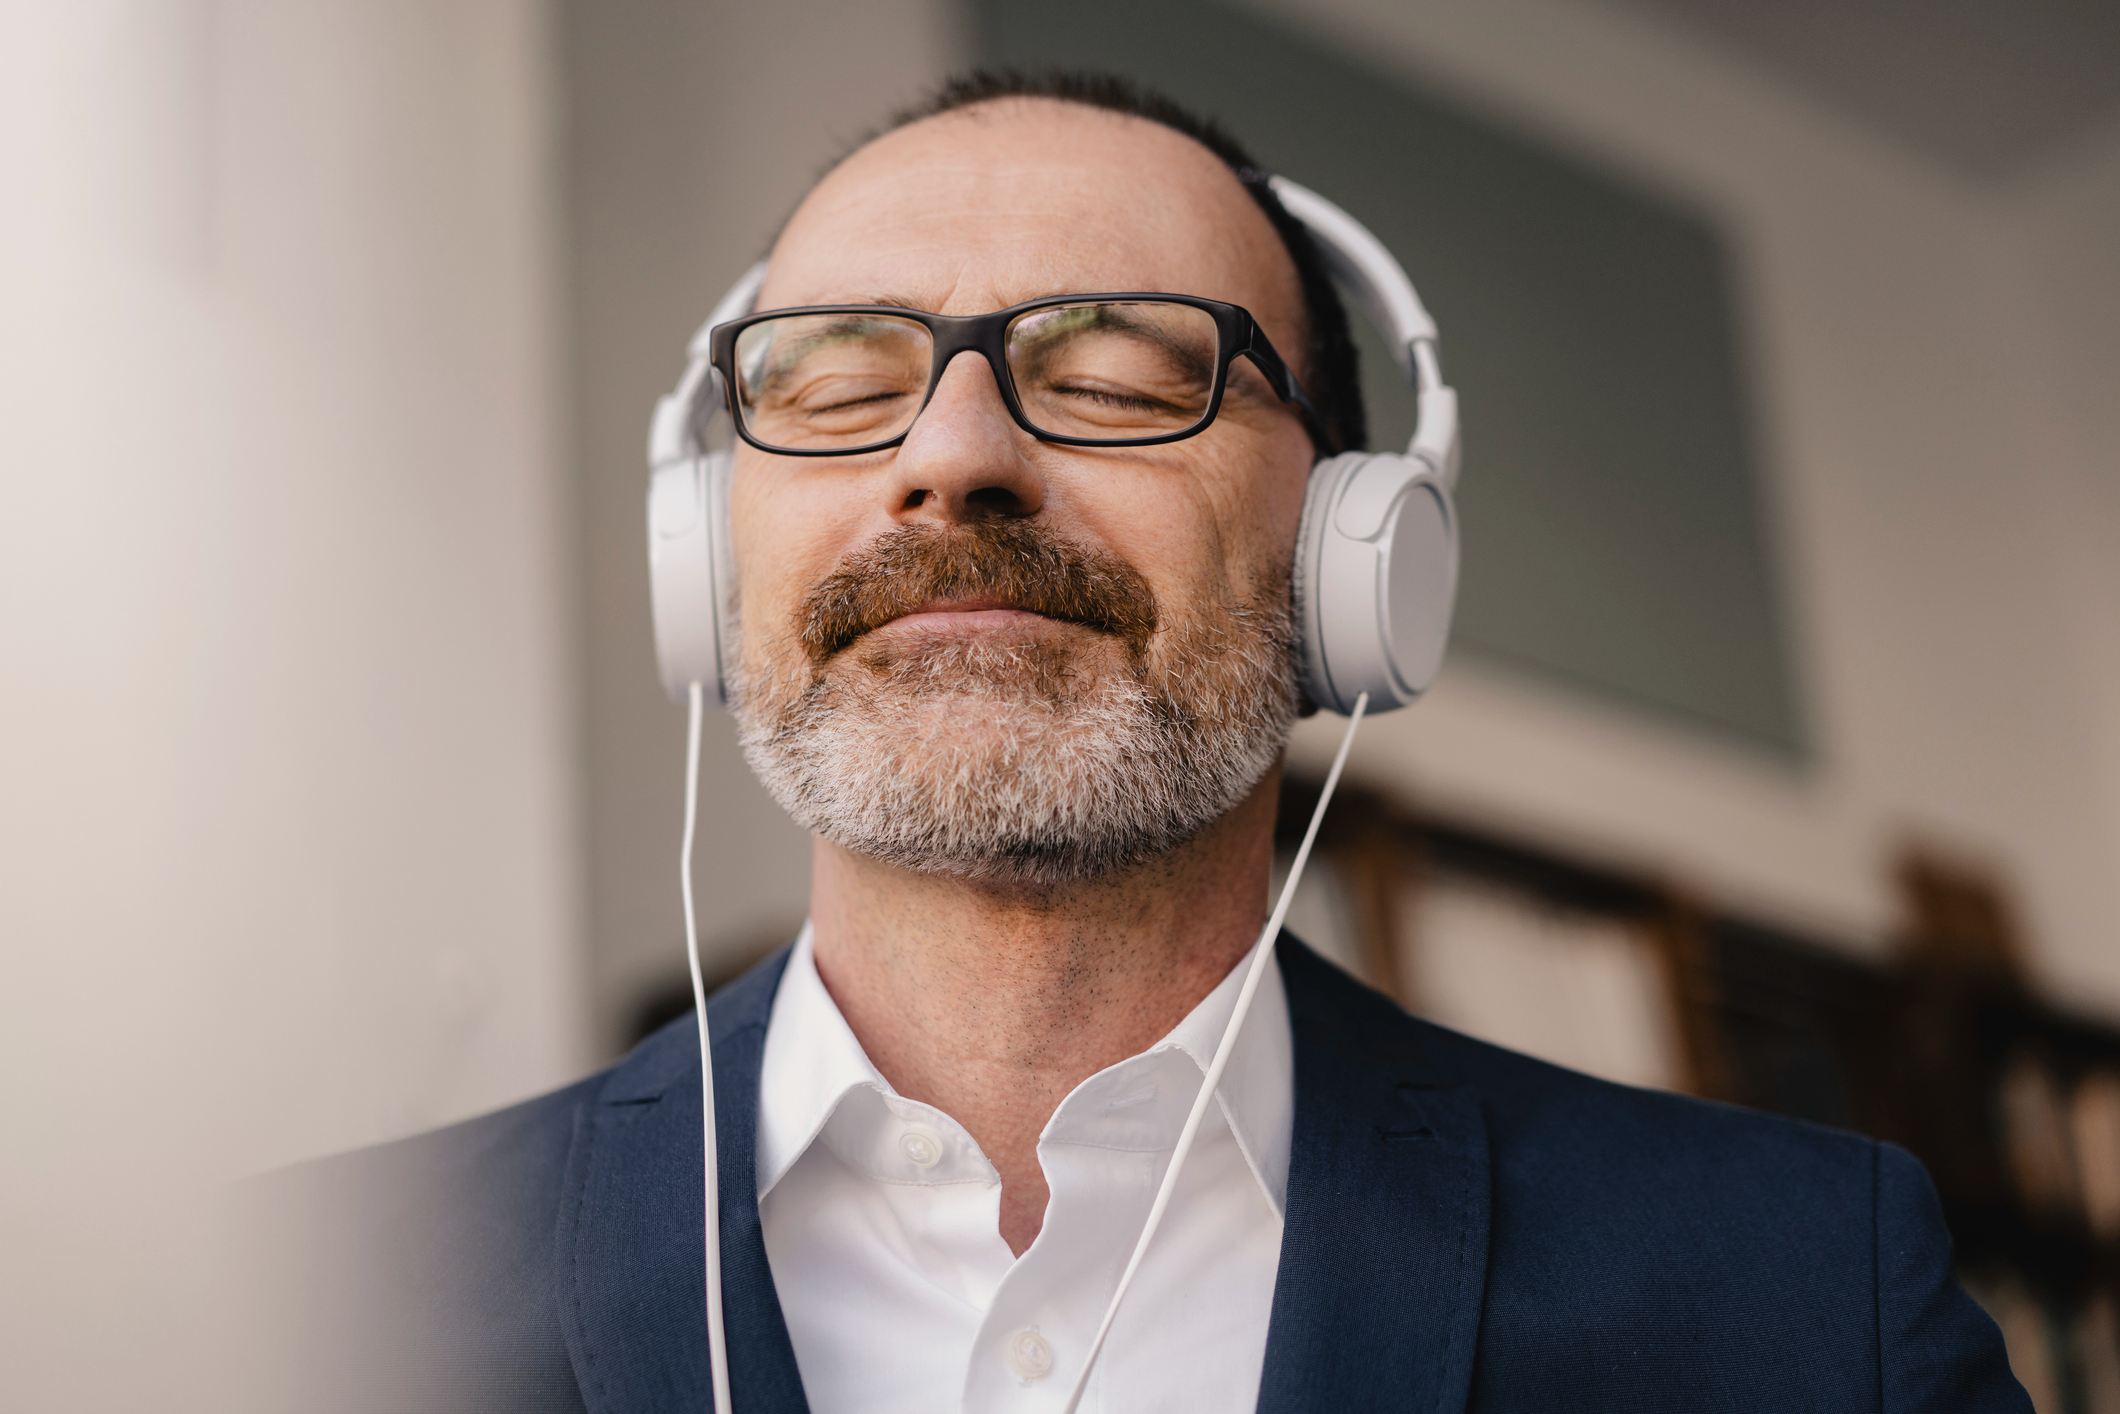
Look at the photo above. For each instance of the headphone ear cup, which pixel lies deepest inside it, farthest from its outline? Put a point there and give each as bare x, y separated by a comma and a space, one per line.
1375, 579
687, 572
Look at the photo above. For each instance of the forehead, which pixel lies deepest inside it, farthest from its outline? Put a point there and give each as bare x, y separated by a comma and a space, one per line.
1014, 199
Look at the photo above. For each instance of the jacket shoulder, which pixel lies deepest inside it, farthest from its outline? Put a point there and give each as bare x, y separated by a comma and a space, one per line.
1597, 1175
510, 1153
1536, 1110
427, 1271
421, 1270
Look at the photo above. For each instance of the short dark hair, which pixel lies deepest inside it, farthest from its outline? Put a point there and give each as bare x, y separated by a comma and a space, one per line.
1331, 373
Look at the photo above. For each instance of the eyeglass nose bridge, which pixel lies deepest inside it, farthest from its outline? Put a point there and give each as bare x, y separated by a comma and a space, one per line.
982, 334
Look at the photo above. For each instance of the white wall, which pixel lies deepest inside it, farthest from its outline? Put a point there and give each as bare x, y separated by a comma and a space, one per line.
289, 805
1934, 507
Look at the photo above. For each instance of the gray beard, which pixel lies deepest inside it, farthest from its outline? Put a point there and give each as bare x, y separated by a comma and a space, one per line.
1000, 763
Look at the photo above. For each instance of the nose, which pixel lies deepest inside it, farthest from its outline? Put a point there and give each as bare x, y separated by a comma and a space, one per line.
965, 458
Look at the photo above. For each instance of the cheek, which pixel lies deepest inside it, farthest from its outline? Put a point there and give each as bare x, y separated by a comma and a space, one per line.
784, 531
1205, 528
1280, 482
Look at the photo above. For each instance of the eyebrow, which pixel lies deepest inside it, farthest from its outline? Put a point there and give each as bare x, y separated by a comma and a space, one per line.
1184, 356
776, 359
894, 301
888, 301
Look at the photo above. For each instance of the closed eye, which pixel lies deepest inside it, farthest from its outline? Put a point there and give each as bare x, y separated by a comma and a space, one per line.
1133, 402
854, 402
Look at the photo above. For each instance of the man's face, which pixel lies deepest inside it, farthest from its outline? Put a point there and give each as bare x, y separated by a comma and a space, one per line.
981, 654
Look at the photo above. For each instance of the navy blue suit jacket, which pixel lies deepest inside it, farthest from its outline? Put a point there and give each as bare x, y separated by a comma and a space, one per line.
1468, 1229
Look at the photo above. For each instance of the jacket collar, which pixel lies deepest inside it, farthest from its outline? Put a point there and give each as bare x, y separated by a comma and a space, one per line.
1374, 1303
632, 1223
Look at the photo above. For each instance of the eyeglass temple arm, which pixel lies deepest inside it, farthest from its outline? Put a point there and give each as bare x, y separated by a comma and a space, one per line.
1260, 350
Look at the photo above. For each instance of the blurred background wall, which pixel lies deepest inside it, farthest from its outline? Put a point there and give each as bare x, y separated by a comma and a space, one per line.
340, 796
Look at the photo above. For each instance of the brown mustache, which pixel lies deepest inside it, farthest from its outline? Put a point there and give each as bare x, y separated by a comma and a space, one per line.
1009, 560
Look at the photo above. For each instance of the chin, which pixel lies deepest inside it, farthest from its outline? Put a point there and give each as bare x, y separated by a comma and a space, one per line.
975, 770
1027, 758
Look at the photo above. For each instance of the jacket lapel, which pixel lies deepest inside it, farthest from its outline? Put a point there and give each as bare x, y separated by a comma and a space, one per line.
631, 1224
1384, 1251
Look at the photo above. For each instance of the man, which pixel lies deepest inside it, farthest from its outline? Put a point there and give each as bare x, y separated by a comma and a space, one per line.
1030, 699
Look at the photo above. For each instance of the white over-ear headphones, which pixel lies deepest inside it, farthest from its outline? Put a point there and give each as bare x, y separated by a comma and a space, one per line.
1376, 557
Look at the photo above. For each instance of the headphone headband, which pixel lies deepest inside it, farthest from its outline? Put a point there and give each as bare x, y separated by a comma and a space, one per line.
1381, 289
1358, 260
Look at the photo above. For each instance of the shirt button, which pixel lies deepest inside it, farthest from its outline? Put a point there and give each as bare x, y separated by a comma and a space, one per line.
921, 1148
1029, 1355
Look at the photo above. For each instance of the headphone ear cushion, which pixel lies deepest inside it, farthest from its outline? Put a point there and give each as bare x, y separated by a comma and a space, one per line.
1375, 580
716, 475
1303, 582
681, 577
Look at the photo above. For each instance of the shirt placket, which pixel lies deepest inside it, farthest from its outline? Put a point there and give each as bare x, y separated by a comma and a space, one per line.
1103, 1155
942, 1189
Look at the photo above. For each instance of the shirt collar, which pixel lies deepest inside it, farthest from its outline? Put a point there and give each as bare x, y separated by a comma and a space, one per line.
813, 1061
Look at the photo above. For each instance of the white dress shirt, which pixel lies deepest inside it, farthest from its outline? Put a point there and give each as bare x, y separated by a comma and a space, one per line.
882, 1223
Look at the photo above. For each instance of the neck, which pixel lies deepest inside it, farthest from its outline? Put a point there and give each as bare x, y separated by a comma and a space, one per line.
992, 1003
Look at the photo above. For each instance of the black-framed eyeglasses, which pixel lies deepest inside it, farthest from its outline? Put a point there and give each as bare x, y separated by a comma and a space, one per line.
1087, 370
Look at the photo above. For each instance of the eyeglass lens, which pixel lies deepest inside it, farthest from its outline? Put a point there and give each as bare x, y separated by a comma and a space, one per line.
1106, 370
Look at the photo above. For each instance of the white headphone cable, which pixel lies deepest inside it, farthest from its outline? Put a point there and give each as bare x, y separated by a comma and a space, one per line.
1261, 955
717, 1340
